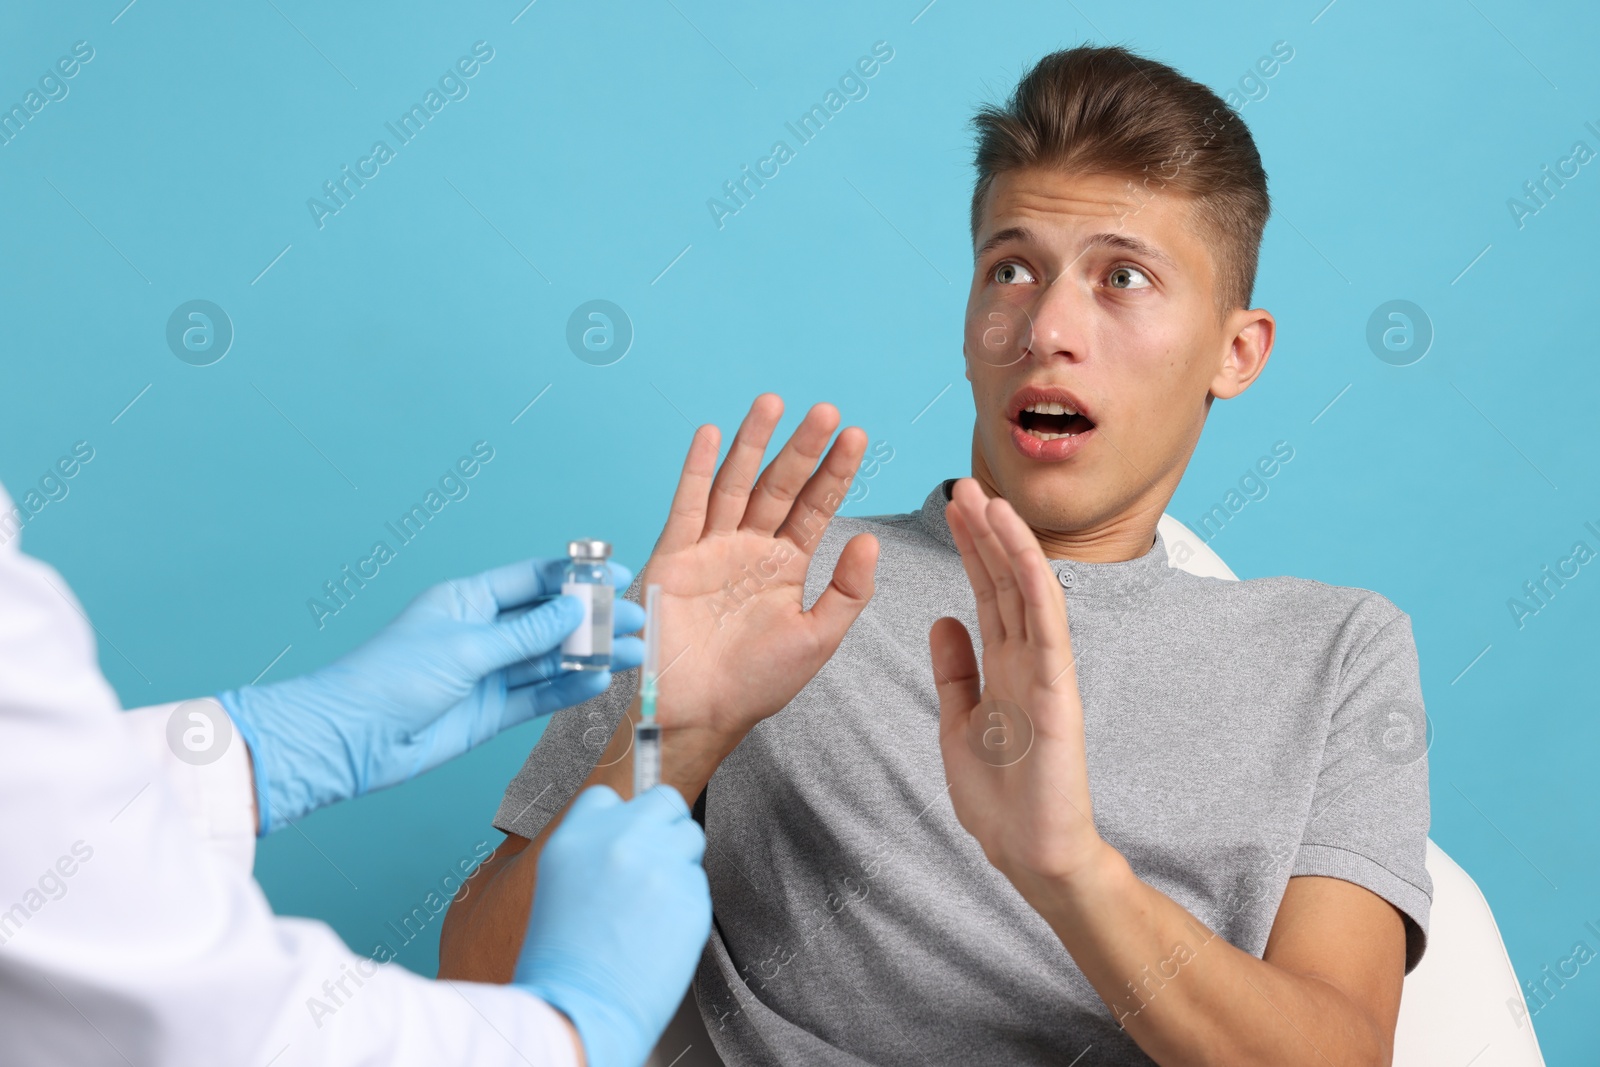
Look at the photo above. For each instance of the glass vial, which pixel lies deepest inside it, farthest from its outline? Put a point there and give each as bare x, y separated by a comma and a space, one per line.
646, 756
588, 648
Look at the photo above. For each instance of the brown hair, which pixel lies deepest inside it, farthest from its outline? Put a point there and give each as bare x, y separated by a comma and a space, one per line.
1109, 111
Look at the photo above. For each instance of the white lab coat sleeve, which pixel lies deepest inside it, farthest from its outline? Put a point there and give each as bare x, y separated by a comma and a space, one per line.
125, 939
217, 794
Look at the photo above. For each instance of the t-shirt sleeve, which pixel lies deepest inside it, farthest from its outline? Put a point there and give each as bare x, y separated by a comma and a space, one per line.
1368, 822
571, 746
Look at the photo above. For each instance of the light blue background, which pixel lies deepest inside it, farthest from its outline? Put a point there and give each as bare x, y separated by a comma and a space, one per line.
428, 313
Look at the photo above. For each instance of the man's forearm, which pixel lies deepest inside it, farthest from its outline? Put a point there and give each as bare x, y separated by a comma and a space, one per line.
1184, 993
483, 930
689, 757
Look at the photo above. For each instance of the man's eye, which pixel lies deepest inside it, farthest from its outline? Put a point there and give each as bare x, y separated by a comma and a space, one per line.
1128, 278
1012, 274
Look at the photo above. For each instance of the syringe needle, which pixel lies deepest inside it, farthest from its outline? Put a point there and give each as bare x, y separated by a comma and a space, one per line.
652, 650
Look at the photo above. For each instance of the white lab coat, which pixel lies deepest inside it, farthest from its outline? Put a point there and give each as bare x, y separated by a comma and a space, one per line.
131, 930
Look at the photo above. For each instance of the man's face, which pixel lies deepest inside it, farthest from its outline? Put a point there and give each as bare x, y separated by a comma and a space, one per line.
1092, 342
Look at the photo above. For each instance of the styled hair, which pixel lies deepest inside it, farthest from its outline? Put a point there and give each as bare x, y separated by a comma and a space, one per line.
1109, 111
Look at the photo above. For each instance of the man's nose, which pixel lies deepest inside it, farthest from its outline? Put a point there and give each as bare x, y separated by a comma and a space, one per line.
1059, 317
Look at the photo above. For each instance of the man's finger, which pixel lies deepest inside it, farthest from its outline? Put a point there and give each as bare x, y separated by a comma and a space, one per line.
1007, 596
1041, 595
955, 675
847, 594
731, 489
786, 475
687, 518
824, 491
989, 624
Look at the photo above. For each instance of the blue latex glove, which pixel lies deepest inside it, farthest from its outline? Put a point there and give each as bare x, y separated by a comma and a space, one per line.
621, 912
465, 660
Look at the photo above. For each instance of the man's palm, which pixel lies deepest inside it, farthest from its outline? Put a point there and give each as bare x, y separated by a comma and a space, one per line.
736, 642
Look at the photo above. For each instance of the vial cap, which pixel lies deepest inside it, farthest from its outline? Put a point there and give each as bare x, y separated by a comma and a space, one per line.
588, 549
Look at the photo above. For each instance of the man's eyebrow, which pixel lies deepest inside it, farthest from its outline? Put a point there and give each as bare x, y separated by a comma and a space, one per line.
1010, 233
1129, 244
1125, 242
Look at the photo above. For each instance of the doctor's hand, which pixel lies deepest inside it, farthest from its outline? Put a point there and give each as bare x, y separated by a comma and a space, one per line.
468, 658
620, 915
737, 643
1013, 749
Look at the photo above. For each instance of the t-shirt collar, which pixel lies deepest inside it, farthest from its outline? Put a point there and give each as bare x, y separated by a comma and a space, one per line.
1120, 579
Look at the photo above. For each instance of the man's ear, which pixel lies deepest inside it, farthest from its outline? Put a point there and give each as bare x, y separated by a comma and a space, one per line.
1250, 333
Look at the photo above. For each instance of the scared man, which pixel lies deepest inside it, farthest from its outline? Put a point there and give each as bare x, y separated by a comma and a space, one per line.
1171, 823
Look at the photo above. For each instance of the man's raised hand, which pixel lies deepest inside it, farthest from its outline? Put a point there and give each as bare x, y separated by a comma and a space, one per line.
1029, 810
736, 641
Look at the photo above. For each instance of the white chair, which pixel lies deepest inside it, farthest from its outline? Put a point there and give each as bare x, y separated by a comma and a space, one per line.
1462, 1004
1460, 1007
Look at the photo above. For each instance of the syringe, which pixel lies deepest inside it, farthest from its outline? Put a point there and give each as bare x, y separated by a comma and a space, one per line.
647, 733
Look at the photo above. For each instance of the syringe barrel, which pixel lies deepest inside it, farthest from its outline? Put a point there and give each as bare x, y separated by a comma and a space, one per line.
646, 757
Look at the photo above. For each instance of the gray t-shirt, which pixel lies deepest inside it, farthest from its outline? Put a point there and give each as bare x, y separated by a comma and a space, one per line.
1239, 733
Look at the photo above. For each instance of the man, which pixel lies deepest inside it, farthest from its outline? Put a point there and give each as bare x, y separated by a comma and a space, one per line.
1188, 829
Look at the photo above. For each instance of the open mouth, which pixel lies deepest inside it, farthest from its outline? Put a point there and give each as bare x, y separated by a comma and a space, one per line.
1048, 423
1051, 420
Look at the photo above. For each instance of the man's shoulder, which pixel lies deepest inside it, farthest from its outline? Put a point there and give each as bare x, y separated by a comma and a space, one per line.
1303, 604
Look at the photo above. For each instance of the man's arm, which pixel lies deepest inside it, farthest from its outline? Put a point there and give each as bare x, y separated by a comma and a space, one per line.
483, 930
1326, 992
484, 926
737, 642
1328, 988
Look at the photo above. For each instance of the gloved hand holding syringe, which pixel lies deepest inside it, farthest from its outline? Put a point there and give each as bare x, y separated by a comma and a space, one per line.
647, 732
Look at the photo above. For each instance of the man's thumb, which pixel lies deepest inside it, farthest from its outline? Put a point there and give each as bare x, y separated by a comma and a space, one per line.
955, 673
